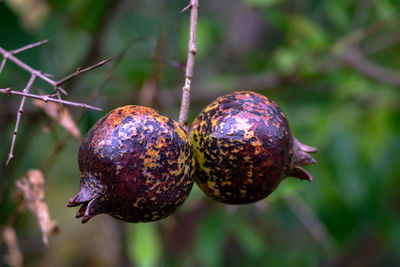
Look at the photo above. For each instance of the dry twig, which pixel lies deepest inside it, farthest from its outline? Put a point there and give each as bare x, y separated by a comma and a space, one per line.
19, 114
10, 55
48, 98
32, 188
183, 114
80, 71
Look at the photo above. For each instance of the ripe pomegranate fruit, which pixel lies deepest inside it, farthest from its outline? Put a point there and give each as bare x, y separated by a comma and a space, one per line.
136, 165
244, 148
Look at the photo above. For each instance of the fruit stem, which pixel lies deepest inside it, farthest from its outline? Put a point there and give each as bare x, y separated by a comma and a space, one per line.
194, 8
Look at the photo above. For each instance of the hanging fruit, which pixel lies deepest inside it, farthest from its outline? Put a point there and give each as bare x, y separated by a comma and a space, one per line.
244, 148
136, 165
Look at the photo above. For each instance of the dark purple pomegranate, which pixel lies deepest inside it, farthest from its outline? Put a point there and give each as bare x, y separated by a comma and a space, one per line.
244, 148
136, 165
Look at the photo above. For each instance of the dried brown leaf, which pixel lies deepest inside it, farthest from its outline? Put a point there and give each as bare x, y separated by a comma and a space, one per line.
14, 257
60, 115
32, 188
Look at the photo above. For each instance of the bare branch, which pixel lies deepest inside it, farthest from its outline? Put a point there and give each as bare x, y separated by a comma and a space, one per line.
9, 55
194, 8
48, 98
22, 65
3, 62
381, 42
19, 50
19, 114
81, 71
359, 63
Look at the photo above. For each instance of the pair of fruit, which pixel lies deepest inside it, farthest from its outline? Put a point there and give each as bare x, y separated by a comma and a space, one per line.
138, 165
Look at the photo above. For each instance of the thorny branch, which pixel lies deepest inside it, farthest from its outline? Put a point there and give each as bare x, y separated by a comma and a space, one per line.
9, 55
48, 98
20, 111
80, 71
194, 6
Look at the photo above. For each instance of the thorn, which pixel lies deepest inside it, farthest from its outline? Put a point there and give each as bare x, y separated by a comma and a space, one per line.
10, 156
61, 90
8, 91
186, 8
47, 74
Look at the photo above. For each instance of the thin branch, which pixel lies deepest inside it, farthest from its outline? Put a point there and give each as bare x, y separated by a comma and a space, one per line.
9, 55
19, 50
48, 98
3, 62
81, 71
19, 114
381, 42
183, 114
359, 63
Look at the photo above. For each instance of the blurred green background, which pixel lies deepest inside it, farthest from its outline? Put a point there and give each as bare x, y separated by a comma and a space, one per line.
330, 65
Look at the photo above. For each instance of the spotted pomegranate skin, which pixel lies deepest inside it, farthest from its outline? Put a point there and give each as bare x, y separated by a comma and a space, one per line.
136, 165
244, 148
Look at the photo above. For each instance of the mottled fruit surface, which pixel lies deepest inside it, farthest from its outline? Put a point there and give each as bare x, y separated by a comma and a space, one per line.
244, 148
136, 165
